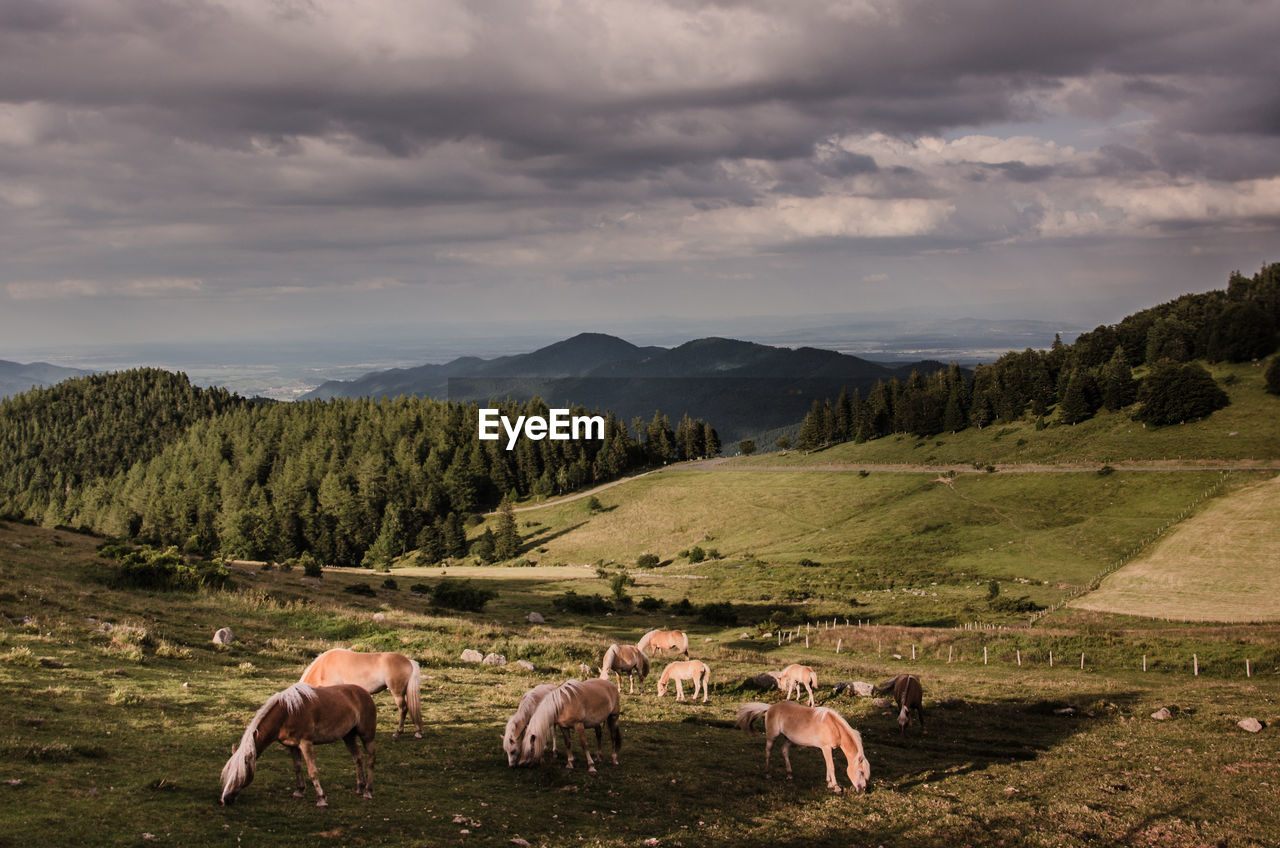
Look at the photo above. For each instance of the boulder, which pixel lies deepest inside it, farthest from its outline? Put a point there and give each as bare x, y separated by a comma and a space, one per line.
1250, 724
523, 665
471, 655
379, 617
862, 689
882, 703
224, 637
494, 659
1162, 714
535, 618
765, 680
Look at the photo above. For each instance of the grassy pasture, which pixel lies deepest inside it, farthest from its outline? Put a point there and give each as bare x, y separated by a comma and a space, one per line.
101, 743
1219, 565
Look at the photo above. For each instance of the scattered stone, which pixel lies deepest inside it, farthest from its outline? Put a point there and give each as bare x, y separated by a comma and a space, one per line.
1009, 790
50, 662
224, 637
494, 659
520, 843
765, 680
186, 685
1162, 714
524, 665
1250, 724
471, 655
14, 781
882, 703
744, 636
379, 617
863, 689
1065, 711
535, 618
766, 635
897, 656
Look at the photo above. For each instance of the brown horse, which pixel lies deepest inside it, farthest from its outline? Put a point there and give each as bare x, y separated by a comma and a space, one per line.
908, 695
811, 728
513, 736
658, 641
374, 672
299, 718
574, 705
628, 658
793, 677
694, 670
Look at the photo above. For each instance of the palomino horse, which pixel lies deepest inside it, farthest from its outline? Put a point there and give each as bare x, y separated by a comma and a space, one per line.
374, 672
628, 658
513, 736
793, 677
694, 670
908, 695
665, 640
299, 718
574, 705
822, 728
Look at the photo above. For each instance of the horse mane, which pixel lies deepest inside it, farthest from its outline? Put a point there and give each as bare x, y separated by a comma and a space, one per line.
607, 662
529, 702
542, 721
239, 769
846, 730
645, 639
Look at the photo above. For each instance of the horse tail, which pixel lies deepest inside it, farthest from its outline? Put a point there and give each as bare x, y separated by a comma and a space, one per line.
706, 678
413, 695
645, 639
607, 663
644, 665
748, 713
542, 723
683, 647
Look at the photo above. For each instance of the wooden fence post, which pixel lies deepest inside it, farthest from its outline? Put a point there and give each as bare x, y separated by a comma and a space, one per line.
1019, 658
839, 642
1051, 659
1195, 665
984, 654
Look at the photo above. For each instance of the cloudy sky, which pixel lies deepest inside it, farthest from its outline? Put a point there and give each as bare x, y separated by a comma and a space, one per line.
229, 168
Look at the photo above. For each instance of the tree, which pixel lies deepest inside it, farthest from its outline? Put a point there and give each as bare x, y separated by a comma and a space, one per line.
1176, 392
1273, 376
747, 447
483, 548
1081, 398
1119, 389
784, 442
507, 537
1242, 332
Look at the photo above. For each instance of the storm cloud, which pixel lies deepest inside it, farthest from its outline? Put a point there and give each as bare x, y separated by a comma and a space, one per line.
296, 158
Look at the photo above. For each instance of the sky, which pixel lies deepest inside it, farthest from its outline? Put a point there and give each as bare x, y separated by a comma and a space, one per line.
262, 169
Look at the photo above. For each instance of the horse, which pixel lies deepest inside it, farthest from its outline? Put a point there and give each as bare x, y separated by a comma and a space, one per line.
574, 705
513, 736
820, 727
694, 670
374, 672
628, 658
908, 695
299, 718
665, 640
793, 677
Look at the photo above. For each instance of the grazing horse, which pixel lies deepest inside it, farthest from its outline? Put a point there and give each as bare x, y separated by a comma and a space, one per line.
694, 670
513, 736
574, 705
374, 672
628, 658
299, 718
822, 728
908, 695
793, 677
665, 640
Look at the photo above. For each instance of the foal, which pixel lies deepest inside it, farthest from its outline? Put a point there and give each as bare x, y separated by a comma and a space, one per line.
694, 670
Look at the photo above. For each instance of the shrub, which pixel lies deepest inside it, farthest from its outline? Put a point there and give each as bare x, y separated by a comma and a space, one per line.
420, 589
697, 554
721, 613
682, 607
460, 595
647, 561
390, 583
360, 589
809, 563
148, 568
651, 604
572, 602
593, 504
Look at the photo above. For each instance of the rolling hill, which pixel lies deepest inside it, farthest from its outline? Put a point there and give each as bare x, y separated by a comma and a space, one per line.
16, 377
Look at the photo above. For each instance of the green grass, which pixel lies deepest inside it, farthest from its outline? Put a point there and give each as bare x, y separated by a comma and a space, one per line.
101, 742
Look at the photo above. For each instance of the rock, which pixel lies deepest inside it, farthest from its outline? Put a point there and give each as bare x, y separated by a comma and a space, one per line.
882, 703
744, 636
1065, 711
1162, 714
535, 618
766, 680
494, 659
863, 690
1250, 724
379, 617
520, 843
766, 635
224, 637
523, 665
472, 655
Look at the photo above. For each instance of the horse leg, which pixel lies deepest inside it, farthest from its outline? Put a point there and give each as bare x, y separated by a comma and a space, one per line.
586, 749
631, 683
831, 769
369, 755
808, 687
568, 747
615, 736
350, 741
786, 755
768, 750
309, 755
680, 690
403, 705
297, 772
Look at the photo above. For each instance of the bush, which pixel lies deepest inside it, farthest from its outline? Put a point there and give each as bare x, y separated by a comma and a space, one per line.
309, 564
721, 613
1273, 376
390, 583
420, 589
809, 563
460, 595
682, 607
1176, 392
593, 504
697, 554
647, 561
572, 602
148, 568
651, 604
363, 589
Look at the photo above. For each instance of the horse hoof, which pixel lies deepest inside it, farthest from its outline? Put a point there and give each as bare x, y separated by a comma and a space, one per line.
297, 793
322, 803
368, 796
837, 789
417, 736
395, 735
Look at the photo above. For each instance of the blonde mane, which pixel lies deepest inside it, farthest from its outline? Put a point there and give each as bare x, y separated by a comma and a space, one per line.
542, 722
518, 724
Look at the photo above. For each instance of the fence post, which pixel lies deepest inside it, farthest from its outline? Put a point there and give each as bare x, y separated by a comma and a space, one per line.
839, 642
913, 652
1247, 672
1051, 659
1082, 662
984, 654
1019, 658
1195, 665
949, 649
1144, 662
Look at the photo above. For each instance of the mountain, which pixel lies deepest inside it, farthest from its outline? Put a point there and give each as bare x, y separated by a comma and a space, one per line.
16, 377
742, 388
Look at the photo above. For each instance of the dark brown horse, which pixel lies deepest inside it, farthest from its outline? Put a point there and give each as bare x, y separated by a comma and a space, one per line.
908, 695
299, 718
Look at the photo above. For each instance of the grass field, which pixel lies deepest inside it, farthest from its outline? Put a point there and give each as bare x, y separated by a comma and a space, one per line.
1220, 565
114, 735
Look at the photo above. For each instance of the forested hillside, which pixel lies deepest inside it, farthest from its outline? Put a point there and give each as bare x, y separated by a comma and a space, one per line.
1070, 383
144, 455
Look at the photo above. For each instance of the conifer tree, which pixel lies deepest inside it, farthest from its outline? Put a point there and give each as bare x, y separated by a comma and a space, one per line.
507, 538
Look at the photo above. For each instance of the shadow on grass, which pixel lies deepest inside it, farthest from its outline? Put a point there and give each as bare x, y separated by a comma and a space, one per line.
532, 542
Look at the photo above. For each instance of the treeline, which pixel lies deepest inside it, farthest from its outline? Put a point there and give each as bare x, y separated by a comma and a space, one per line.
1072, 382
143, 455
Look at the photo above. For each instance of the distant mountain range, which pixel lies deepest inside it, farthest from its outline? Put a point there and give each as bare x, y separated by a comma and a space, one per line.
742, 388
16, 377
